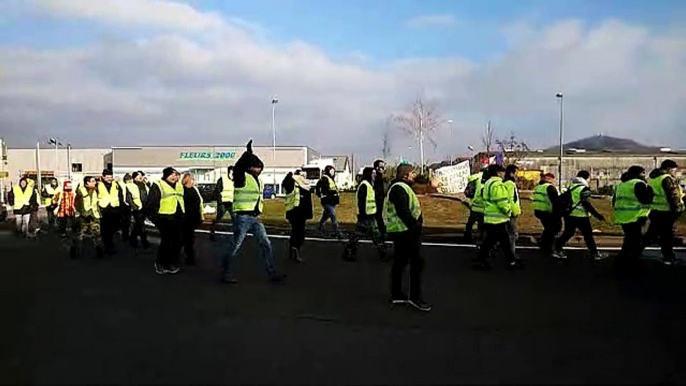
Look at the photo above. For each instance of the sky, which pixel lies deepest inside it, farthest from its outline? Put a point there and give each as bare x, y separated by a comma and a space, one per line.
160, 72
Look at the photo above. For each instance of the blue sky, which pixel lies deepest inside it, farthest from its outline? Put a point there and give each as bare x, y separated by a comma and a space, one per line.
201, 70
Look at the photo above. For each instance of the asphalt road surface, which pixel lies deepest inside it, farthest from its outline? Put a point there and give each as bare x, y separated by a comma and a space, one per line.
114, 321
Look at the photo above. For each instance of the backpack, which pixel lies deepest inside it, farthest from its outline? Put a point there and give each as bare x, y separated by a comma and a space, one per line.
470, 190
565, 202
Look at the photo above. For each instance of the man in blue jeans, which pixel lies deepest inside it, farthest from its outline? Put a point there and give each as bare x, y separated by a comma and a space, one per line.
328, 191
247, 206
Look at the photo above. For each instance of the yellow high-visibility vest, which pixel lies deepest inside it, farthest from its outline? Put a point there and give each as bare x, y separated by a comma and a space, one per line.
108, 198
52, 192
249, 197
370, 200
227, 189
90, 203
21, 197
135, 194
171, 197
394, 224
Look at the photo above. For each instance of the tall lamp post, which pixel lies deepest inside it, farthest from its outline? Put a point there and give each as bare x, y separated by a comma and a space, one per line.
559, 168
55, 141
275, 100
69, 160
450, 123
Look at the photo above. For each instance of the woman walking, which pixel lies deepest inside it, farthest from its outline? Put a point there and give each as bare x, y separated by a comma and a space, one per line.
194, 217
298, 211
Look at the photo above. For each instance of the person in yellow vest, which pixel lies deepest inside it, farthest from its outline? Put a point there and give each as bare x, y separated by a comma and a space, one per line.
110, 198
365, 199
223, 193
298, 211
48, 194
475, 184
125, 207
194, 205
631, 205
328, 192
545, 197
665, 210
88, 213
497, 215
248, 204
580, 218
137, 195
510, 184
23, 199
404, 219
165, 207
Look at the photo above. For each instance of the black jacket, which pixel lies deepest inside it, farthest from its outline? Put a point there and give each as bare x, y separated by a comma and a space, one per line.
328, 196
379, 191
191, 200
401, 201
152, 206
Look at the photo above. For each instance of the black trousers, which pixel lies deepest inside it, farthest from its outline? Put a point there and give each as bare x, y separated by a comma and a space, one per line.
138, 230
188, 236
171, 241
474, 218
379, 220
297, 231
552, 224
125, 222
62, 223
583, 224
51, 214
497, 234
661, 229
407, 250
109, 224
629, 256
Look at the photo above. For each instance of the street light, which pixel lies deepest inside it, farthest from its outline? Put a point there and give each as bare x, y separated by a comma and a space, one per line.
450, 123
471, 156
69, 160
559, 169
275, 100
55, 141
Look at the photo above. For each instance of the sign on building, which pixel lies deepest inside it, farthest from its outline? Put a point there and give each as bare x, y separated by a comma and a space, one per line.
453, 179
198, 155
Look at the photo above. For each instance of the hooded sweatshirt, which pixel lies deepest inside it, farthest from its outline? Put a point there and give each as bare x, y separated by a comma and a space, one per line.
672, 190
585, 196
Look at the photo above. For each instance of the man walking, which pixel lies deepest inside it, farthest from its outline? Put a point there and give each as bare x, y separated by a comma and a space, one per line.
475, 184
545, 197
328, 191
193, 202
579, 218
88, 212
125, 208
166, 207
137, 195
513, 195
224, 196
665, 210
404, 220
366, 218
48, 194
631, 205
248, 205
109, 200
23, 199
380, 195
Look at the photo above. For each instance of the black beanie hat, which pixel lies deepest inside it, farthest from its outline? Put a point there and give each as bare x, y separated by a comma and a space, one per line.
248, 159
168, 171
668, 164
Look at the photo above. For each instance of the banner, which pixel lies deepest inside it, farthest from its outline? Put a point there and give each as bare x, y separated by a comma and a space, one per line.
453, 179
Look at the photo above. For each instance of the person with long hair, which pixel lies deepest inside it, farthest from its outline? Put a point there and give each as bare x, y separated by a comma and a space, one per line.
298, 211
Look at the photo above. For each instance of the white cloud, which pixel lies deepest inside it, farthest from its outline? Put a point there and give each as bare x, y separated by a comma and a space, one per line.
432, 21
160, 13
618, 78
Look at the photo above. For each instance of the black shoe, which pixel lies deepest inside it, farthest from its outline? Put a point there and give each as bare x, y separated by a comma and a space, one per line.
295, 255
348, 256
276, 278
420, 305
519, 263
228, 279
171, 270
399, 299
158, 269
482, 265
669, 261
145, 243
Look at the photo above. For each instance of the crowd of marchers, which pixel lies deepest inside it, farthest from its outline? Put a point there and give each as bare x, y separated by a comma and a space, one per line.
98, 208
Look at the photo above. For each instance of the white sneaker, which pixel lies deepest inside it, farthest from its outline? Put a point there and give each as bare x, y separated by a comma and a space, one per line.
560, 255
599, 256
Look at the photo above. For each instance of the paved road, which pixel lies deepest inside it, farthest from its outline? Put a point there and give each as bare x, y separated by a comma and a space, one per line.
115, 321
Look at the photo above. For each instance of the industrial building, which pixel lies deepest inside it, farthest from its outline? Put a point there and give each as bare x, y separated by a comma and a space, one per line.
206, 162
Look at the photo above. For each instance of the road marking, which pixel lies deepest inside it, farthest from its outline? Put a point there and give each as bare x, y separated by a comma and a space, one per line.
429, 244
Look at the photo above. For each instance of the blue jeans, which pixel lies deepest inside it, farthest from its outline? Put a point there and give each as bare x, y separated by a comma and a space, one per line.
241, 226
329, 213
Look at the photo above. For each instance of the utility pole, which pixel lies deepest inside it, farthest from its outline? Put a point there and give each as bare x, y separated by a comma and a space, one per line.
38, 182
275, 100
69, 161
421, 138
559, 168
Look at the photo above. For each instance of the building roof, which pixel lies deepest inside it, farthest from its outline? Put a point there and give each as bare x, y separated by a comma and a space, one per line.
339, 161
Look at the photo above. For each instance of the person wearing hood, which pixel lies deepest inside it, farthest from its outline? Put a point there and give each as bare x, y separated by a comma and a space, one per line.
580, 218
631, 205
475, 184
328, 191
194, 216
23, 199
298, 211
498, 213
137, 196
223, 193
125, 211
365, 200
110, 200
545, 196
380, 194
48, 194
165, 207
65, 208
248, 204
404, 219
665, 210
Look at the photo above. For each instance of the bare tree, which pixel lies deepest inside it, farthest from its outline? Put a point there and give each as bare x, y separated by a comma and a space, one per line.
488, 138
512, 148
386, 149
421, 120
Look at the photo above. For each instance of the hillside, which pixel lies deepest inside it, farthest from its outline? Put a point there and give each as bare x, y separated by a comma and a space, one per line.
601, 142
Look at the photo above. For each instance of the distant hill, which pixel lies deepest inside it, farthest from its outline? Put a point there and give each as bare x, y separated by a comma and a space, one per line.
601, 142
